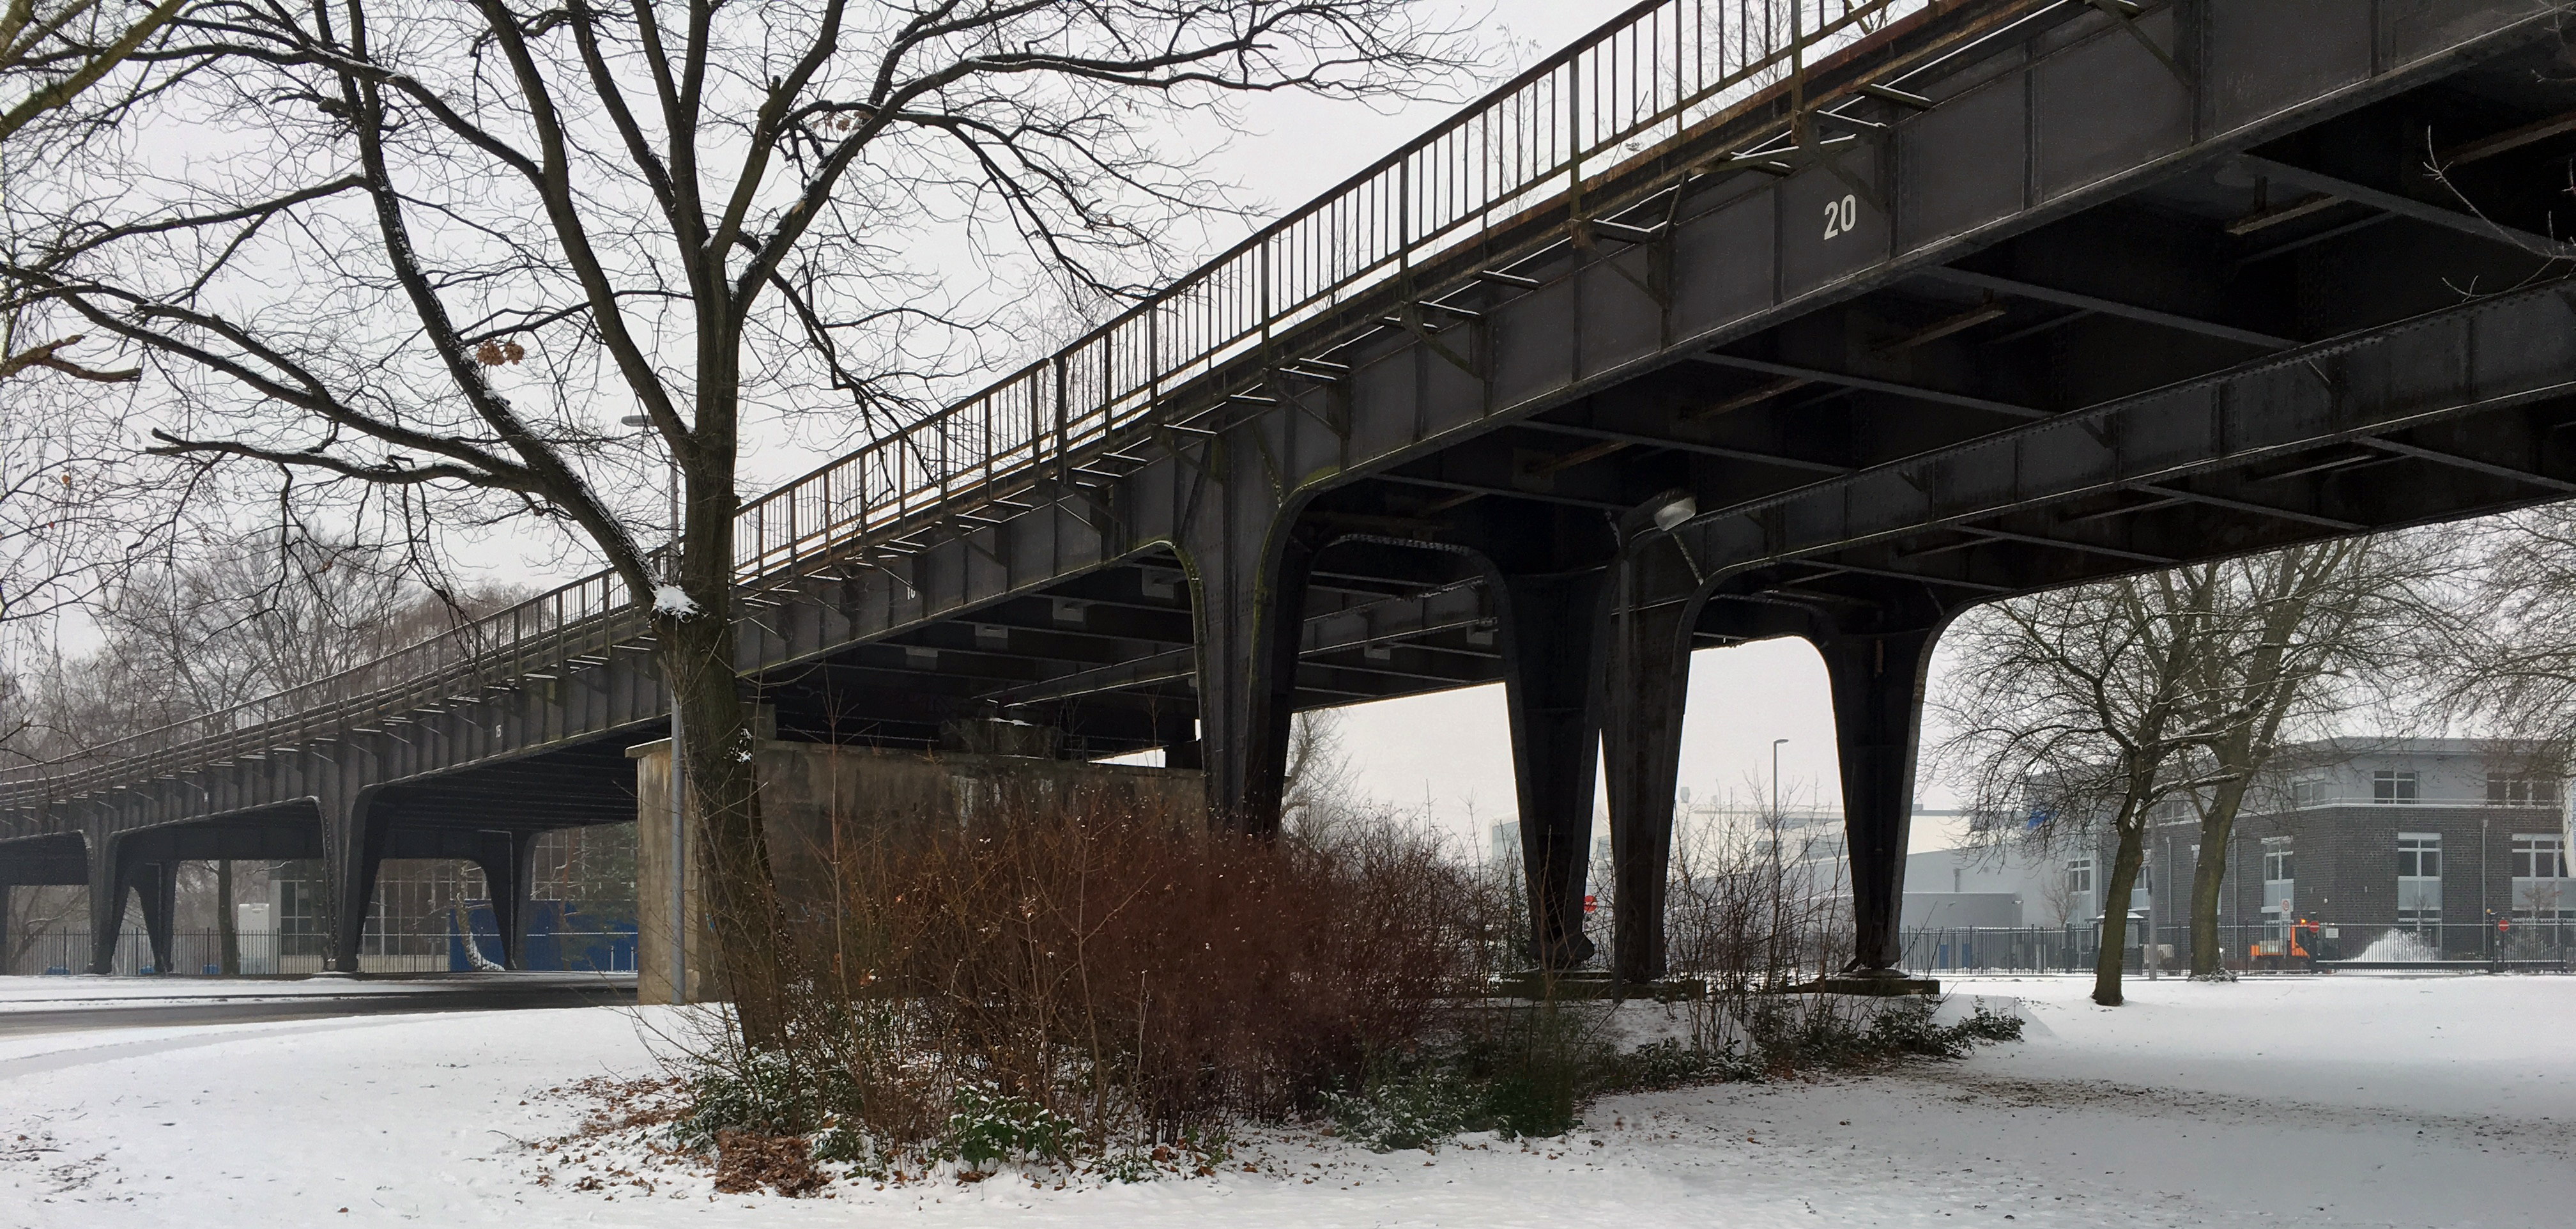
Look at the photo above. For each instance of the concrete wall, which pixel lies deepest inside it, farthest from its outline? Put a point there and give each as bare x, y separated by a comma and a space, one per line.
1991, 910
814, 794
1953, 874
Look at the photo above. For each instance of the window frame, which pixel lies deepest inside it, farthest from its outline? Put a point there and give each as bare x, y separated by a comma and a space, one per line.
2426, 843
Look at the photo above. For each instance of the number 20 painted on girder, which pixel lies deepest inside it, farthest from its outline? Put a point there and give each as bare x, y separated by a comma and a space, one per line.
1841, 216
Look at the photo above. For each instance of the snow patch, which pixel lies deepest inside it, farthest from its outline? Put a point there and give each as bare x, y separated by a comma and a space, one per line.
673, 600
2399, 945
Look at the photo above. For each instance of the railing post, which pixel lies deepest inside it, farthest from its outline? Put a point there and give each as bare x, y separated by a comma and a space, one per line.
1404, 224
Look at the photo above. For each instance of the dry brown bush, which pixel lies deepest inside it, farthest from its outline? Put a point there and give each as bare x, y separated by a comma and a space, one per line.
1110, 971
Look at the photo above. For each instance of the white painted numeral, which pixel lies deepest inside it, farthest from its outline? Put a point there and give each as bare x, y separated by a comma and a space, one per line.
1841, 215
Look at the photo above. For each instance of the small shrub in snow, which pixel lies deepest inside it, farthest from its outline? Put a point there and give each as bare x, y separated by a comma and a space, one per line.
1670, 1064
1984, 1025
1798, 1032
762, 1092
1413, 1110
987, 1127
1528, 1075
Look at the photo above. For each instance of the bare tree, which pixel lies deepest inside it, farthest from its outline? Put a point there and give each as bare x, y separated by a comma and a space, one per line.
2077, 708
1316, 791
2297, 639
2515, 673
51, 52
67, 523
234, 619
449, 242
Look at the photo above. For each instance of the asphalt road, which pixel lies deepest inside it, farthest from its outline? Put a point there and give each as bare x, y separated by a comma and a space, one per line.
241, 1003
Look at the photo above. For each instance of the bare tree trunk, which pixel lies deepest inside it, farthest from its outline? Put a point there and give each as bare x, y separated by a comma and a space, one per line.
224, 921
2208, 881
741, 894
2125, 861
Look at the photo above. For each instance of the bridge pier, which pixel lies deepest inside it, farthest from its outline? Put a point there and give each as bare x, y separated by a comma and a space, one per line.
1552, 647
115, 874
1250, 604
1877, 675
1655, 604
508, 861
353, 849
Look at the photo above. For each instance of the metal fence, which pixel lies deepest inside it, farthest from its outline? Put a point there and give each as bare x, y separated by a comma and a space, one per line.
1616, 99
200, 953
2521, 944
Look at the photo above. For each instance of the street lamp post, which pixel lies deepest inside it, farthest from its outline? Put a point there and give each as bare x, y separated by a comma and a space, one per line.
1775, 776
679, 822
1779, 833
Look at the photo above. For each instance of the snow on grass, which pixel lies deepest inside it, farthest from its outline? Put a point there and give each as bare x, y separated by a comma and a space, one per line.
2345, 1100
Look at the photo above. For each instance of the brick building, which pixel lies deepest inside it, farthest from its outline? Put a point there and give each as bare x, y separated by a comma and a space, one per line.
2429, 839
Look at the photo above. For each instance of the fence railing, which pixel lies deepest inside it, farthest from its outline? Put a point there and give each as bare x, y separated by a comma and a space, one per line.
1625, 91
199, 953
2004, 949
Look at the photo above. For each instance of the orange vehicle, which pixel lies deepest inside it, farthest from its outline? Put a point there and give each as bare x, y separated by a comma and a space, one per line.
2299, 949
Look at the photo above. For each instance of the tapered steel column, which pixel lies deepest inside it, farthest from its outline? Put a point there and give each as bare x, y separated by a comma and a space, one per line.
1552, 643
353, 848
1877, 679
508, 861
107, 888
158, 885
1248, 569
1655, 601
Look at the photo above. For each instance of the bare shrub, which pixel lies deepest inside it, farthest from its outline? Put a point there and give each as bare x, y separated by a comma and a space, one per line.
1089, 972
1757, 902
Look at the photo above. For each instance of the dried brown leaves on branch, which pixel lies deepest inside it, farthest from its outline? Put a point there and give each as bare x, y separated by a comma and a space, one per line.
321, 223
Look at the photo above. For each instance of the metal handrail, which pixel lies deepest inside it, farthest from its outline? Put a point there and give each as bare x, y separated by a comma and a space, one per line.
1636, 82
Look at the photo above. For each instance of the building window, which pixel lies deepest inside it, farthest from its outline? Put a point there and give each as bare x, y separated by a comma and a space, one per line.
2387, 785
2277, 863
2539, 856
2310, 792
2505, 791
2419, 855
2079, 876
2540, 888
2419, 881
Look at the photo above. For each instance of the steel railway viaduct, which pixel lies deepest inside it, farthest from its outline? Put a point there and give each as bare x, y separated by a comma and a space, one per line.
1697, 333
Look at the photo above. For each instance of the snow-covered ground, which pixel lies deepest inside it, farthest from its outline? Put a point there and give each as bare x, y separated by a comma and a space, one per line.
2344, 1100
